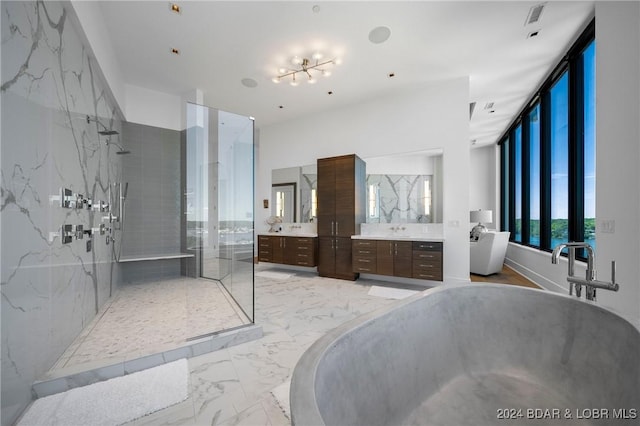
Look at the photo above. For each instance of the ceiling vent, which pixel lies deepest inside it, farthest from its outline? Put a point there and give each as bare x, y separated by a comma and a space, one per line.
472, 106
534, 14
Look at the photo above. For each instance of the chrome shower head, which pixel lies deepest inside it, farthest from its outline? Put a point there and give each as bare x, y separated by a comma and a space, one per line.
106, 131
121, 150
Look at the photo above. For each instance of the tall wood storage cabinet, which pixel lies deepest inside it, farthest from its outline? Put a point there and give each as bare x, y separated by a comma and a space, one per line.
341, 210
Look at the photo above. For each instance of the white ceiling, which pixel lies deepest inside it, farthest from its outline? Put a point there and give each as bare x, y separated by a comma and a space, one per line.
221, 43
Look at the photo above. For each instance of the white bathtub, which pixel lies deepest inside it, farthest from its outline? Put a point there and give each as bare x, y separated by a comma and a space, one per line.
479, 354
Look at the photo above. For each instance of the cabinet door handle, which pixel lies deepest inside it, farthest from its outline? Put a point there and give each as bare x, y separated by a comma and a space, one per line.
336, 227
336, 242
390, 249
332, 228
396, 244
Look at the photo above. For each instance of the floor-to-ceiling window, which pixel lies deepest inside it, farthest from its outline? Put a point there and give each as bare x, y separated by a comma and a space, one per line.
589, 117
534, 175
559, 124
548, 156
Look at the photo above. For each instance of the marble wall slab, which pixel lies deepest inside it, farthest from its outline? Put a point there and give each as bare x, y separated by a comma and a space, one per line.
399, 198
50, 290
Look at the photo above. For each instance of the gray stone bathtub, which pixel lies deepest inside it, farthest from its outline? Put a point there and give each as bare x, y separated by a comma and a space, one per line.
479, 354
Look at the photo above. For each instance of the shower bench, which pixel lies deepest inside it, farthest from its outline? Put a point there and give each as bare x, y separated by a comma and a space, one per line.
141, 258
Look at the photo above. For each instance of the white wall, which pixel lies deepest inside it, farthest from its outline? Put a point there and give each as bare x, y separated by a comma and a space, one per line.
425, 118
152, 108
483, 172
618, 150
414, 164
617, 159
137, 104
89, 18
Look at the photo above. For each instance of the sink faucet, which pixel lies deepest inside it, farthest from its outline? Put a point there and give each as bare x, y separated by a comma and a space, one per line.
590, 281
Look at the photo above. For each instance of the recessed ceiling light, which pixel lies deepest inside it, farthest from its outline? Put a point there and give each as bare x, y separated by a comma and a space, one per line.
175, 8
315, 8
533, 34
488, 105
175, 51
249, 82
379, 35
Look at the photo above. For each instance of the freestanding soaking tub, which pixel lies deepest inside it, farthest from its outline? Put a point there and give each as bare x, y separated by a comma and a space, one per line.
479, 354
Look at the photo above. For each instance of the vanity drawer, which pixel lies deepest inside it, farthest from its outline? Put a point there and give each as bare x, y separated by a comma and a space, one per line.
364, 251
305, 259
364, 263
427, 256
302, 242
433, 275
364, 244
427, 246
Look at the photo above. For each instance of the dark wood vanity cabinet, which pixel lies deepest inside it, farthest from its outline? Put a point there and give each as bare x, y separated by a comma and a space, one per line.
427, 260
288, 250
301, 251
365, 256
341, 210
409, 259
383, 257
265, 250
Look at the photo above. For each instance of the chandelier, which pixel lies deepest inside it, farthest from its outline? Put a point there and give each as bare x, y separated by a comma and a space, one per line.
309, 69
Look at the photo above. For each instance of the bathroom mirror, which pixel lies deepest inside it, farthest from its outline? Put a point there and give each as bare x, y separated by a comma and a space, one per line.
284, 193
406, 187
284, 201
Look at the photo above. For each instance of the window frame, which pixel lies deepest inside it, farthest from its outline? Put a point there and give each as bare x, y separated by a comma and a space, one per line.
571, 64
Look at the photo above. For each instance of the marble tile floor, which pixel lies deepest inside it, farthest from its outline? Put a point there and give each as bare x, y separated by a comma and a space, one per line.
147, 318
233, 386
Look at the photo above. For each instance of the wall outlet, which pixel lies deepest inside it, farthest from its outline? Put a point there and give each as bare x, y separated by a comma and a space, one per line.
608, 226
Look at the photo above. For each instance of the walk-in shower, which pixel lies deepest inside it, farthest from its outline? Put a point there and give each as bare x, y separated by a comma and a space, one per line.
178, 218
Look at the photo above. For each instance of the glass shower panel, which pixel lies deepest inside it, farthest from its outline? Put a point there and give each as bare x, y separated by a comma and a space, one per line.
235, 201
219, 199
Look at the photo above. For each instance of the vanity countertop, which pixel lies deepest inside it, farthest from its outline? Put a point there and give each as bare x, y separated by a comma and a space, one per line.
289, 234
429, 238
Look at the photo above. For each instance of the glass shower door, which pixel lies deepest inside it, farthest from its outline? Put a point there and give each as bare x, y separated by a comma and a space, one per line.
219, 194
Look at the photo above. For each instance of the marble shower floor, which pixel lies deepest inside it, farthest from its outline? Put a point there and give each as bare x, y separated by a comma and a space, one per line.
233, 386
153, 317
